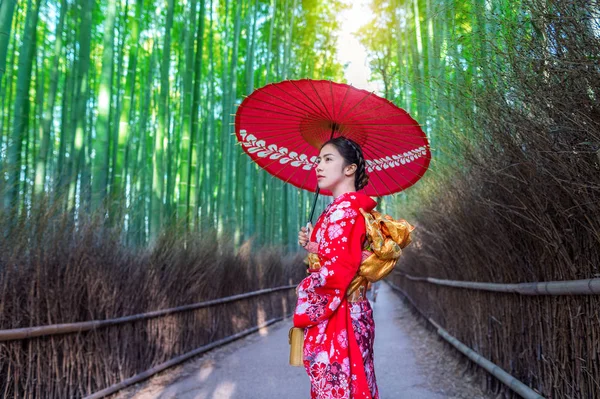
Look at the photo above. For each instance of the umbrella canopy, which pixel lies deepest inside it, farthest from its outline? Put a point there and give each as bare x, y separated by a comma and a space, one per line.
282, 126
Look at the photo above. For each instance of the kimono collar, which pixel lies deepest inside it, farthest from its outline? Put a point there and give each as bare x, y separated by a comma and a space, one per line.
364, 201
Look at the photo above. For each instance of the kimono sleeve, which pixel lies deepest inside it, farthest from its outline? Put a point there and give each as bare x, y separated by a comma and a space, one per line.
340, 253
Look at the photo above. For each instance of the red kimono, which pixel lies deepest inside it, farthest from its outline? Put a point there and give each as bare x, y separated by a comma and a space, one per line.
338, 335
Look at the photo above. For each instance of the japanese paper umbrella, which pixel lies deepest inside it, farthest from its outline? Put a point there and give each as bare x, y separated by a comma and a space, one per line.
282, 127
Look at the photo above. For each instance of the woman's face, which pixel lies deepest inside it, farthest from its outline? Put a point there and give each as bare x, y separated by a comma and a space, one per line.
330, 167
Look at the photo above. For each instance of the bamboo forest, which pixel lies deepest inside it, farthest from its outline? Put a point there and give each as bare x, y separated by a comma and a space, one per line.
125, 189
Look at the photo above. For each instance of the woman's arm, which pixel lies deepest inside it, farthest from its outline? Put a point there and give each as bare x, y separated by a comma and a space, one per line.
340, 253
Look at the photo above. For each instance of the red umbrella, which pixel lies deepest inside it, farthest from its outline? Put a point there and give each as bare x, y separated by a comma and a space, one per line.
282, 126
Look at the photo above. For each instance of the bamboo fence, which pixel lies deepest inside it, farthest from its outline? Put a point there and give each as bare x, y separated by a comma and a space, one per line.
490, 367
590, 286
55, 329
80, 311
110, 347
543, 335
177, 360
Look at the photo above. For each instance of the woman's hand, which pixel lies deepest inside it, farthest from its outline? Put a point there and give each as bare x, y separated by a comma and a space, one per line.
304, 235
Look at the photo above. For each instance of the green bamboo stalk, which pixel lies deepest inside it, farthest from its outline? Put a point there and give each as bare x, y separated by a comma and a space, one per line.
82, 90
270, 42
42, 161
7, 9
26, 57
162, 133
100, 163
7, 106
188, 136
195, 127
117, 176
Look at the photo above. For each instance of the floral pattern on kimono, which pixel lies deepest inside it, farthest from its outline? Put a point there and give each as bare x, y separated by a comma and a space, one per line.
338, 335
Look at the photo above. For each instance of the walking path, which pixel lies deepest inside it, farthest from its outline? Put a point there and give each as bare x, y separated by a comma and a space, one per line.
257, 367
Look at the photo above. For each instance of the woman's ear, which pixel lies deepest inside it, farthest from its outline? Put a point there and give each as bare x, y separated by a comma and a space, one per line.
350, 169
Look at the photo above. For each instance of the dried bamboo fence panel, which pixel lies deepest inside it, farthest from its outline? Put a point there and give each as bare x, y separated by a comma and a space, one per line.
86, 357
510, 381
39, 331
548, 341
55, 272
177, 360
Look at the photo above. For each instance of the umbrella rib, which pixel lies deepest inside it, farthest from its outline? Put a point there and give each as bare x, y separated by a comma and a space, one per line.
344, 127
364, 111
356, 105
393, 109
302, 105
306, 107
348, 88
287, 165
271, 175
309, 116
391, 113
332, 99
295, 117
376, 174
403, 138
321, 100
383, 124
277, 160
288, 136
308, 174
378, 149
308, 98
280, 130
397, 136
270, 103
374, 188
404, 166
314, 109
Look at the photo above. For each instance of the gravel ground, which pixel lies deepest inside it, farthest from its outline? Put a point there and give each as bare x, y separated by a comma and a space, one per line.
446, 368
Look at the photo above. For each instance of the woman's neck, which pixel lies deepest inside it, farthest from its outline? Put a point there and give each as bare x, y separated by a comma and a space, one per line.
343, 189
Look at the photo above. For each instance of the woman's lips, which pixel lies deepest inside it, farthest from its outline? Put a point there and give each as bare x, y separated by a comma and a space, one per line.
320, 177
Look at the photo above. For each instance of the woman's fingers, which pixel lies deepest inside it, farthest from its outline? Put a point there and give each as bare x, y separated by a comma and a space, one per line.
302, 237
304, 234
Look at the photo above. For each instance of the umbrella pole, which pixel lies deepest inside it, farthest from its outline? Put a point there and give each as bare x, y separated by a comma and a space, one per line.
312, 211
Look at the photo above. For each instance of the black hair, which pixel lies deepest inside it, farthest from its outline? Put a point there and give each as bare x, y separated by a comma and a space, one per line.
352, 154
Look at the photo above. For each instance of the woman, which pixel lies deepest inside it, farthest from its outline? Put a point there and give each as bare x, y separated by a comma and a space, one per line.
339, 329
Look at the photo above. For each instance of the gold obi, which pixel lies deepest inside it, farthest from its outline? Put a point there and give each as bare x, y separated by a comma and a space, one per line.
359, 293
386, 238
